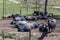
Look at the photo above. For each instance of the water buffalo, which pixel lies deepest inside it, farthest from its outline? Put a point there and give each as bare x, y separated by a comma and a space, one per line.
44, 28
36, 13
17, 18
42, 15
24, 26
39, 15
51, 24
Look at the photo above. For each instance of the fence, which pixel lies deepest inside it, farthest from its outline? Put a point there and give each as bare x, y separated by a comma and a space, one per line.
4, 35
8, 7
28, 36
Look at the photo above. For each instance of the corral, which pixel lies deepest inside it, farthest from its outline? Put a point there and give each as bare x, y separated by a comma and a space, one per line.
7, 32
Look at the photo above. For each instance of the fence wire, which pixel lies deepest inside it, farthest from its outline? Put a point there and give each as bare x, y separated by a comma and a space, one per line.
28, 6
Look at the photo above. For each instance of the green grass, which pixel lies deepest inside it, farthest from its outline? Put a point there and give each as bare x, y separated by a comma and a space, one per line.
7, 36
14, 8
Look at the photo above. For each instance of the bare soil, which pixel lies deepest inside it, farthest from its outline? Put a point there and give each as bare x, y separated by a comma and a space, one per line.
6, 27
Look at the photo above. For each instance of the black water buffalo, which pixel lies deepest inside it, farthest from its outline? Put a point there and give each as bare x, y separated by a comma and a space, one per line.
39, 15
17, 18
12, 15
51, 24
35, 16
25, 27
44, 28
36, 13
42, 15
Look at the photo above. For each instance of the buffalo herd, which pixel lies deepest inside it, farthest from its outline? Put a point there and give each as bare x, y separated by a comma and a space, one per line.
35, 16
20, 22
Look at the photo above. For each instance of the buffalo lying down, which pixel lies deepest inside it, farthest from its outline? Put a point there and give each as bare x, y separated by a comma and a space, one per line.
17, 19
27, 26
42, 15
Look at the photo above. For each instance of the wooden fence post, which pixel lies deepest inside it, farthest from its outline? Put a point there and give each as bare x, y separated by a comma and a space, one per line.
20, 11
3, 35
30, 35
3, 9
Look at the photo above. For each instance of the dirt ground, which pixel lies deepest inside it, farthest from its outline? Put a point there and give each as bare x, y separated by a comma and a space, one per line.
6, 27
